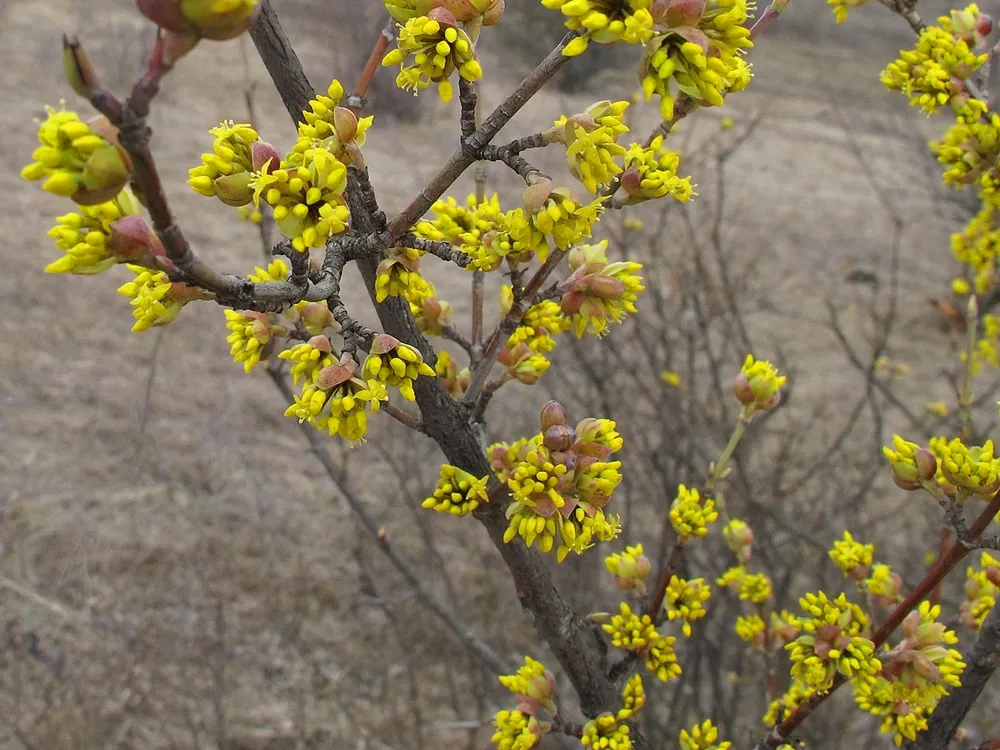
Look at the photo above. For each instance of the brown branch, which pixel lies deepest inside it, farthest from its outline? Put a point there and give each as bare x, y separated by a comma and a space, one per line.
577, 644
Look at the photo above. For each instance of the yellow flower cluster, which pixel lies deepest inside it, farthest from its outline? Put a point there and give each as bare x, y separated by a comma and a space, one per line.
458, 492
484, 232
560, 481
970, 153
977, 246
598, 292
884, 585
651, 172
605, 21
155, 300
539, 324
636, 633
633, 697
515, 731
85, 235
77, 160
791, 699
704, 70
704, 736
758, 386
250, 337
916, 674
841, 7
974, 468
591, 139
532, 683
690, 514
308, 202
685, 600
227, 172
308, 359
606, 732
397, 273
931, 75
567, 221
438, 49
834, 640
630, 569
333, 398
982, 589
852, 557
396, 365
752, 629
751, 587
329, 126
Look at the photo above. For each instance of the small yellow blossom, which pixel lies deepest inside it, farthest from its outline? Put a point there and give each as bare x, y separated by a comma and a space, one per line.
758, 386
971, 468
834, 640
651, 172
685, 600
458, 492
702, 736
852, 557
840, 7
606, 731
630, 569
155, 300
438, 49
636, 633
605, 21
690, 515
516, 731
396, 365
86, 236
633, 697
752, 629
250, 337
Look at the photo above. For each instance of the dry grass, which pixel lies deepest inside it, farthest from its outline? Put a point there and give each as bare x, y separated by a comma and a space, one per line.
178, 571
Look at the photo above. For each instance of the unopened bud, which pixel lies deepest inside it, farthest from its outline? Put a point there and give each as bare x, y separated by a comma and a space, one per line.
264, 157
132, 241
910, 624
234, 189
79, 70
605, 287
927, 464
552, 414
558, 437
534, 196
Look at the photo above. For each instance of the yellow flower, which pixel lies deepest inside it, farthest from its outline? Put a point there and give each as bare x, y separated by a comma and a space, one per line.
156, 301
458, 492
971, 468
633, 632
438, 49
690, 515
307, 199
606, 731
598, 292
396, 365
633, 698
671, 378
651, 172
702, 737
605, 21
853, 558
977, 246
884, 585
516, 731
751, 628
840, 7
565, 220
336, 401
533, 685
685, 600
928, 74
227, 172
758, 386
308, 359
591, 142
330, 126
86, 236
252, 333
834, 640
630, 569
77, 160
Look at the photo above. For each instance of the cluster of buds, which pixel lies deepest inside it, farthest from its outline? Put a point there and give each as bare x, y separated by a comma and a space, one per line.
912, 466
739, 537
597, 291
534, 689
557, 213
630, 569
971, 26
758, 386
591, 140
464, 11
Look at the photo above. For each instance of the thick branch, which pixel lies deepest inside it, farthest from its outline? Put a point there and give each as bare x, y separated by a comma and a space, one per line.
578, 645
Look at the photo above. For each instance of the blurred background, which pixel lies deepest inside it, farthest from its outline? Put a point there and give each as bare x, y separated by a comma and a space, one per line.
180, 569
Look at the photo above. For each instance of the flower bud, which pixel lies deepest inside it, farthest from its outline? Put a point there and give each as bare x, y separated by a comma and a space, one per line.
234, 189
605, 287
927, 464
105, 173
132, 241
79, 70
219, 21
264, 157
558, 437
552, 414
993, 575
535, 195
